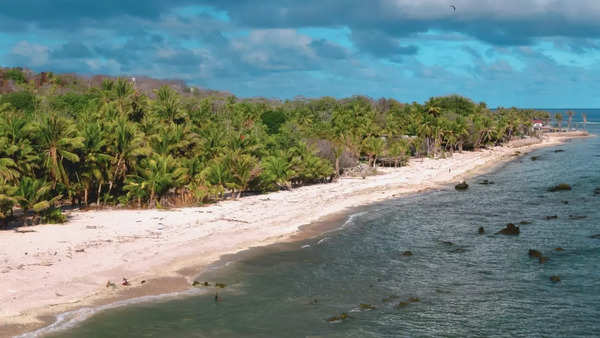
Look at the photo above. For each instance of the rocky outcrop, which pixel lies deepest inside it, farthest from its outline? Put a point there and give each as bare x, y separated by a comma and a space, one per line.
461, 186
534, 253
560, 187
481, 231
510, 230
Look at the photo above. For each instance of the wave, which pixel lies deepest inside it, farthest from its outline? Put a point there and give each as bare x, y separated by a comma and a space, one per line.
71, 319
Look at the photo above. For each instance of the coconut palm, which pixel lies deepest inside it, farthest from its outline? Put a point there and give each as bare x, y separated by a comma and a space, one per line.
7, 201
278, 169
57, 141
35, 194
559, 118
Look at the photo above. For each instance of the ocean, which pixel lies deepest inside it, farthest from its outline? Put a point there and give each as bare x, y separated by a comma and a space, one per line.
456, 283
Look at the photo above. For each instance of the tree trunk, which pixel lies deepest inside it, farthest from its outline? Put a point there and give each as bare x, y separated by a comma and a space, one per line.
337, 166
98, 197
85, 196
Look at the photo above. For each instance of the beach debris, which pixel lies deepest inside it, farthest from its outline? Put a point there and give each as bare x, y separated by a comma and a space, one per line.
338, 319
595, 236
524, 222
481, 231
143, 281
220, 285
80, 250
548, 218
125, 282
560, 187
543, 259
110, 284
367, 307
534, 253
461, 186
407, 253
555, 279
196, 283
91, 227
577, 217
510, 230
487, 182
559, 249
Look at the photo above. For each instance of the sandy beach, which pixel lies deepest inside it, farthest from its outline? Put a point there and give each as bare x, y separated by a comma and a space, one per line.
49, 269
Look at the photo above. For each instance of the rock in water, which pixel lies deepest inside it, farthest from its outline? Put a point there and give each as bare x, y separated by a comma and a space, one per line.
534, 253
595, 236
462, 186
551, 217
559, 249
367, 307
555, 279
481, 231
560, 187
543, 259
407, 253
597, 191
510, 230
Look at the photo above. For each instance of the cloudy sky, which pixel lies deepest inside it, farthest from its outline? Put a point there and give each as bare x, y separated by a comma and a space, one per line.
527, 53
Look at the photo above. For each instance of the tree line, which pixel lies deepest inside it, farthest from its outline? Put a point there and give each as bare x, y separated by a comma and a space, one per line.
113, 145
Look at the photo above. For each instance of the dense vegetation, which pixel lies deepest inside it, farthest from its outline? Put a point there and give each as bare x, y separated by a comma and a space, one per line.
76, 145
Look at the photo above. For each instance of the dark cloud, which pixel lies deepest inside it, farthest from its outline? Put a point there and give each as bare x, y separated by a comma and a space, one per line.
380, 44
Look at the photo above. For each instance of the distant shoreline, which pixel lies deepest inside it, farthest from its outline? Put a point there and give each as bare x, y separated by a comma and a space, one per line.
59, 268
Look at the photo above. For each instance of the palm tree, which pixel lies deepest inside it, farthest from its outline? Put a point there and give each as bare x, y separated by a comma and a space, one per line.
167, 104
278, 169
570, 114
156, 175
34, 194
57, 140
559, 118
398, 150
7, 201
95, 159
243, 169
373, 146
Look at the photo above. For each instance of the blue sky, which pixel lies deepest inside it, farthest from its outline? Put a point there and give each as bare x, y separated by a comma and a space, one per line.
537, 53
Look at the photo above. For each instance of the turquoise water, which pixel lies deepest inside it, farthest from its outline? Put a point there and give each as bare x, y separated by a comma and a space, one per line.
467, 284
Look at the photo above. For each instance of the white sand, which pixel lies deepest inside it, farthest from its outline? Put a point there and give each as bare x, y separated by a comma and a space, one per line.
59, 267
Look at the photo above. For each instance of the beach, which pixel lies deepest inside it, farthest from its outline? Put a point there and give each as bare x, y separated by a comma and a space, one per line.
49, 269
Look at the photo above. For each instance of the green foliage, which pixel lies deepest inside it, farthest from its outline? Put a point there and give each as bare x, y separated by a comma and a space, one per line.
113, 144
273, 120
15, 75
53, 216
24, 101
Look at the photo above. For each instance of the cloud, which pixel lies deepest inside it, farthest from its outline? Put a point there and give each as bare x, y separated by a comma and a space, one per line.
29, 53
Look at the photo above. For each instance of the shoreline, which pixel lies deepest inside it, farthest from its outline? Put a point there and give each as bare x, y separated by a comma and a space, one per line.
59, 268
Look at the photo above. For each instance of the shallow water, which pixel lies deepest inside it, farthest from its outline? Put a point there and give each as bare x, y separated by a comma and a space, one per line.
477, 285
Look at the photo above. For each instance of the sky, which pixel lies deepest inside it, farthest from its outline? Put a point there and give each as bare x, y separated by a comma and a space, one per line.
524, 53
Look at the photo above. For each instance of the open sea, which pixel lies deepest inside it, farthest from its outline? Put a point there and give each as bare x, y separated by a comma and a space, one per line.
457, 283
